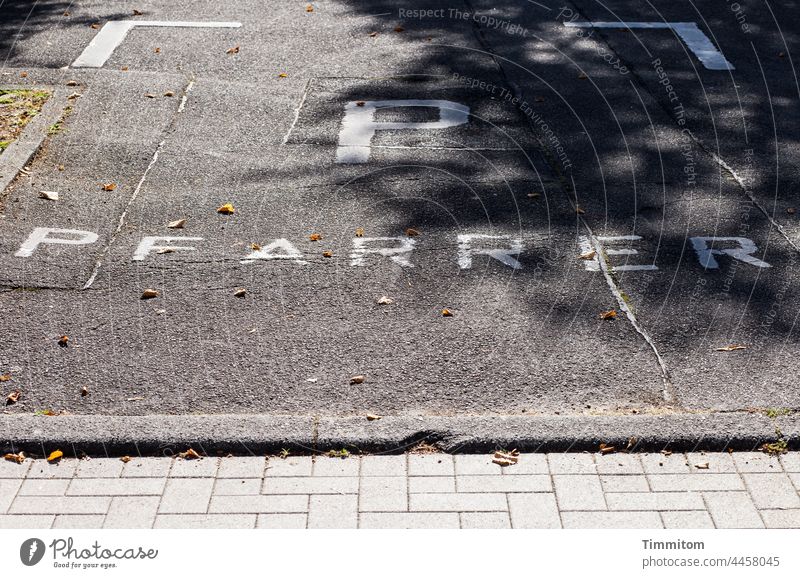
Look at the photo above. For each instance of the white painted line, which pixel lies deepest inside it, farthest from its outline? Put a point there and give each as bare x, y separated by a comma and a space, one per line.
148, 245
42, 236
359, 126
694, 38
505, 256
592, 264
269, 253
113, 33
744, 252
398, 254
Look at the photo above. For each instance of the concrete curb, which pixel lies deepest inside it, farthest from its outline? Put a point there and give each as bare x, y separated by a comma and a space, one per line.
259, 434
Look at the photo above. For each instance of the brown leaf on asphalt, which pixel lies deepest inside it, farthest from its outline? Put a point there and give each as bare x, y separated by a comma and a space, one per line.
631, 441
137, 12
315, 237
226, 209
169, 94
373, 417
385, 300
84, 391
356, 379
534, 195
149, 294
327, 254
360, 103
731, 348
607, 449
373, 34
125, 459
608, 314
446, 313
412, 232
47, 412
176, 224
72, 83
124, 69
165, 250
95, 26
149, 95
190, 454
580, 211
56, 455
283, 75
74, 95
255, 246
309, 8
399, 29
109, 186
703, 466
5, 377
157, 50
588, 255
13, 397
791, 210
61, 168
360, 232
240, 292
233, 50
49, 195
539, 99
19, 458
63, 341
582, 76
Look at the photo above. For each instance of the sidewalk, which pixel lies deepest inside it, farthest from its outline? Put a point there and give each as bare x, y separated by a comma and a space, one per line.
739, 490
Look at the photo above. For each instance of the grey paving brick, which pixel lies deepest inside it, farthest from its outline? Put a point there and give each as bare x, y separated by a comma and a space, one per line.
431, 465
60, 469
475, 465
752, 462
13, 470
186, 496
624, 483
147, 468
383, 465
693, 482
44, 487
534, 511
432, 484
99, 468
658, 463
59, 504
224, 521
528, 464
310, 485
593, 520
579, 492
242, 467
237, 487
790, 461
260, 504
77, 521
732, 510
202, 468
499, 483
410, 520
691, 520
772, 491
619, 464
655, 501
8, 489
485, 520
333, 512
282, 521
571, 463
116, 487
388, 494
781, 518
718, 462
331, 467
457, 502
132, 512
20, 522
291, 466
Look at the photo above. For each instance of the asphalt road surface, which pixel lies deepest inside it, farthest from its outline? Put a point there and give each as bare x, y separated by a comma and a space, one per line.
571, 168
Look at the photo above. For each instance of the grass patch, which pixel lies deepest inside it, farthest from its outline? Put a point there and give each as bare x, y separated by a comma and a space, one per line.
17, 109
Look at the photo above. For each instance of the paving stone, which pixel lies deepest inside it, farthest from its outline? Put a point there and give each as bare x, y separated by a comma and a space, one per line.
260, 504
223, 521
693, 482
431, 465
690, 520
719, 463
186, 496
339, 512
60, 504
389, 494
99, 468
625, 520
732, 510
282, 521
772, 491
624, 483
116, 487
432, 484
660, 464
476, 464
44, 487
237, 487
752, 462
131, 512
579, 492
534, 511
499, 483
528, 464
147, 468
310, 485
20, 522
242, 467
76, 521
45, 469
485, 520
457, 502
410, 520
8, 489
781, 518
572, 464
383, 465
331, 467
655, 501
291, 466
619, 464
202, 468
790, 461
13, 470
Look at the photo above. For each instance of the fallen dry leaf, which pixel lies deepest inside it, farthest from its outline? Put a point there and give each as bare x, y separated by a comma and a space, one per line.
327, 254
149, 95
588, 255
504, 459
165, 250
72, 83
385, 300
49, 195
412, 232
176, 224
731, 348
608, 314
13, 397
309, 8
703, 466
56, 455
607, 449
61, 168
399, 29
19, 458
373, 417
5, 377
359, 232
169, 94
95, 26
666, 452
125, 459
63, 341
124, 69
539, 99
84, 391
582, 76
240, 292
157, 50
137, 13
534, 195
255, 246
579, 211
190, 454
356, 379
74, 95
791, 210
109, 186
23, 74
373, 34
315, 237
446, 313
282, 75
149, 294
226, 209
360, 103
503, 462
233, 50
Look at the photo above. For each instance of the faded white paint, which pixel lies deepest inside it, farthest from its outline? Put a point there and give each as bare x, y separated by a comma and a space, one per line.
694, 38
398, 254
504, 255
604, 240
585, 247
279, 249
359, 125
744, 252
113, 33
42, 236
148, 245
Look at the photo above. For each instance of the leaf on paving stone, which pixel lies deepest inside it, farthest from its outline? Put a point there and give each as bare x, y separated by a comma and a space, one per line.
588, 255
149, 294
356, 379
608, 314
373, 417
19, 458
13, 397
169, 94
315, 237
446, 313
125, 459
176, 224
226, 209
63, 341
72, 83
233, 50
190, 454
504, 459
373, 34
703, 466
49, 195
607, 449
241, 292
502, 462
360, 232
5, 377
165, 250
84, 391
385, 300
327, 254
412, 232
109, 186
56, 455
731, 348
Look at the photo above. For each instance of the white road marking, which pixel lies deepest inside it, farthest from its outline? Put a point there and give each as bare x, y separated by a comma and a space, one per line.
694, 38
148, 245
397, 254
744, 252
359, 126
585, 246
113, 33
465, 250
279, 249
41, 236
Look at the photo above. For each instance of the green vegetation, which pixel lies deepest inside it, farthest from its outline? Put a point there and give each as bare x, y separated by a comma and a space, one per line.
17, 109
